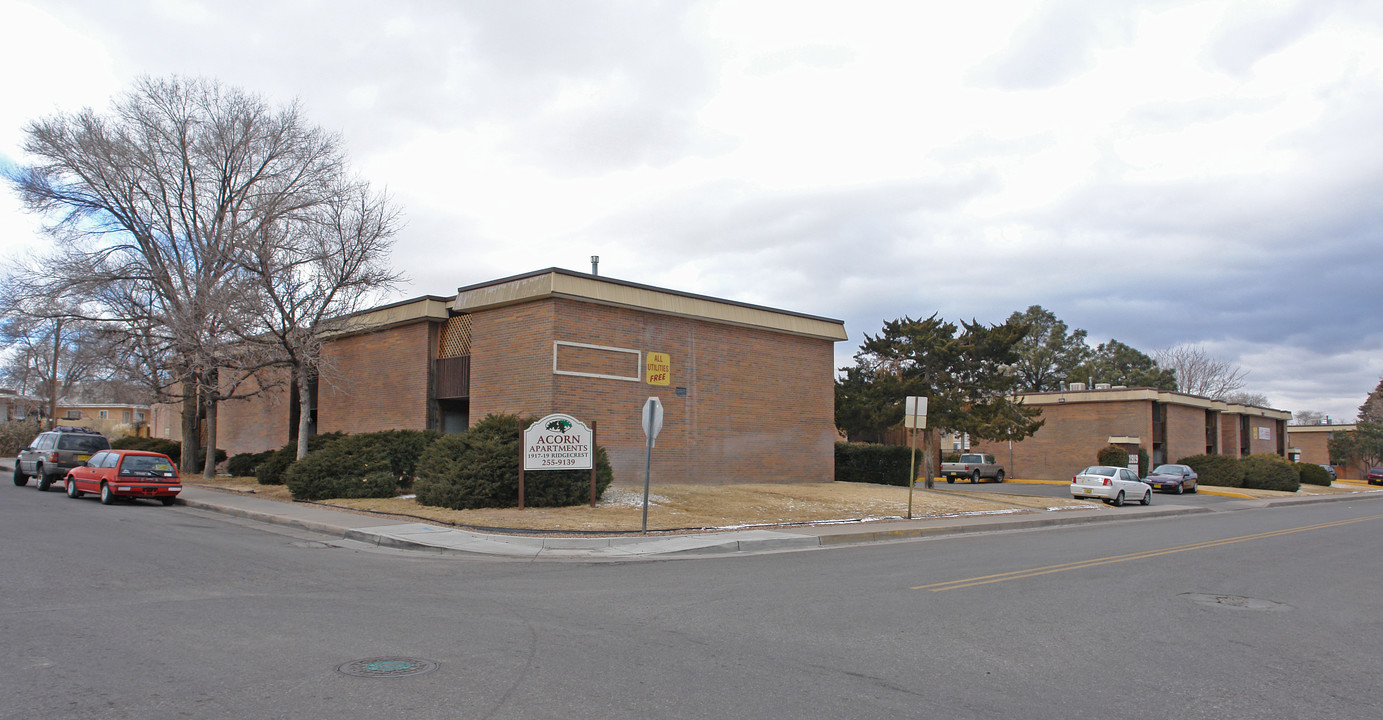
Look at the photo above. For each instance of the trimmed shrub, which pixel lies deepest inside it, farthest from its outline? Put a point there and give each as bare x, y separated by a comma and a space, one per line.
270, 470
16, 435
245, 464
356, 466
870, 463
171, 448
1218, 470
1313, 474
1112, 455
480, 468
1267, 471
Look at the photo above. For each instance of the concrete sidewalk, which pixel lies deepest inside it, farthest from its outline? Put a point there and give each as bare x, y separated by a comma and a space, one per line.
442, 539
417, 536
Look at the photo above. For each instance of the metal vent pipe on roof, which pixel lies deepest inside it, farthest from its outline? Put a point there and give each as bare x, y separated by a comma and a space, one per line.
595, 264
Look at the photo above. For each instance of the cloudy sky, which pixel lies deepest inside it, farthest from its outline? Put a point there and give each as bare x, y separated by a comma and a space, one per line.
1156, 171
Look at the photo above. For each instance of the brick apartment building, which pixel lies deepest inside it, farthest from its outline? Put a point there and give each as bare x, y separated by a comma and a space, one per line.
1311, 444
1168, 425
750, 396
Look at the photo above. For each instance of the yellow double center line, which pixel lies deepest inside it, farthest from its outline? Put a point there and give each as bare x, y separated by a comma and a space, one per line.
1049, 569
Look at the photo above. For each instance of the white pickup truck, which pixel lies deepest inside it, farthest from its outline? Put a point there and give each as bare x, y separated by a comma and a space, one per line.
973, 466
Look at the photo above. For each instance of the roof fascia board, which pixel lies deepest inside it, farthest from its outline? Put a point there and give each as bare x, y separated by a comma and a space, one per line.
556, 283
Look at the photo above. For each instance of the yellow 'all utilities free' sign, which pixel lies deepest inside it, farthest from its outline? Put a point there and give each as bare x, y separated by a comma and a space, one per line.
658, 369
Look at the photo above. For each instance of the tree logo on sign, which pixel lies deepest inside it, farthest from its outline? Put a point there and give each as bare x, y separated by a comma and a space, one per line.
560, 426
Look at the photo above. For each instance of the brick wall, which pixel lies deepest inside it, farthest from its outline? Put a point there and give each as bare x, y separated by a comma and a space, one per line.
256, 424
1072, 435
1185, 432
377, 381
758, 405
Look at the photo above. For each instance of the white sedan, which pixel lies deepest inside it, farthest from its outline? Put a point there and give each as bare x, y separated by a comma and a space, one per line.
1111, 484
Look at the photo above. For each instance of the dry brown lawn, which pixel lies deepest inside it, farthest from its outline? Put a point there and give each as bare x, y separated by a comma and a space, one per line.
683, 507
675, 507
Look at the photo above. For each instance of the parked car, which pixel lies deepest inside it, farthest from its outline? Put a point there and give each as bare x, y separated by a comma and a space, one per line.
53, 453
1376, 476
1111, 484
125, 473
973, 466
1173, 478
1331, 469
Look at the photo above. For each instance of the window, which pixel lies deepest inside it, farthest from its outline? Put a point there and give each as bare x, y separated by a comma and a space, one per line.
73, 415
103, 414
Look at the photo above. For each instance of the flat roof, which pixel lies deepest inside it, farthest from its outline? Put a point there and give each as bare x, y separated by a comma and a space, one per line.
1342, 427
560, 283
1123, 394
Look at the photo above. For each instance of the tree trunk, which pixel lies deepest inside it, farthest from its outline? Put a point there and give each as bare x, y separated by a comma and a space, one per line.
187, 464
304, 411
209, 468
928, 453
53, 387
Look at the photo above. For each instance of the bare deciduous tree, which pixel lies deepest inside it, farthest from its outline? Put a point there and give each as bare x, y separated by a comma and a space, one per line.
1247, 398
53, 349
153, 206
1308, 417
1198, 373
312, 274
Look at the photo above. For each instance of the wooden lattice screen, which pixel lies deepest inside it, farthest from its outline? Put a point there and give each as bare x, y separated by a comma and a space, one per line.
456, 338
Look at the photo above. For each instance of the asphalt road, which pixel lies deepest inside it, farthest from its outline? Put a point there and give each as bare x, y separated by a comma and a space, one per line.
141, 611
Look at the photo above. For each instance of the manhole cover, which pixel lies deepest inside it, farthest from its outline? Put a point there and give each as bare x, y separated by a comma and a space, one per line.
1235, 602
387, 667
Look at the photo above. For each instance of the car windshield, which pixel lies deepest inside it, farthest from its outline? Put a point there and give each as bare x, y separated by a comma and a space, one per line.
1167, 470
83, 443
145, 464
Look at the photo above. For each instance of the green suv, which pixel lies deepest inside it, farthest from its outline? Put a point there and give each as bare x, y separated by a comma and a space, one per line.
53, 453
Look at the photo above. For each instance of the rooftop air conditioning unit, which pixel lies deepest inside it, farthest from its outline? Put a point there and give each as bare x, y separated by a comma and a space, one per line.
1075, 386
1101, 386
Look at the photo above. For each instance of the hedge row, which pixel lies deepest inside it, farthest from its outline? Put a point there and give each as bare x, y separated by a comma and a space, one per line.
16, 435
478, 468
870, 463
171, 448
1264, 471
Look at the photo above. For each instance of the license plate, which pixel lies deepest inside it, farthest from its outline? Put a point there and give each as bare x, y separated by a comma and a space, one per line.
83, 458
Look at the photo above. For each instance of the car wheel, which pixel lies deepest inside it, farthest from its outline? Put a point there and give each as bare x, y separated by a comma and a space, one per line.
974, 477
999, 477
107, 497
20, 479
950, 480
1180, 489
44, 482
72, 490
1194, 488
1118, 499
167, 501
1147, 497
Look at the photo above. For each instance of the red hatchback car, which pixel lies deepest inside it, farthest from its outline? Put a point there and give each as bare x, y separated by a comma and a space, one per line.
125, 473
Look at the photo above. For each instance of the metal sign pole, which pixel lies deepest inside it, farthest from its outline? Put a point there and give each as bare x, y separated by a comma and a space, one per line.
593, 462
652, 420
